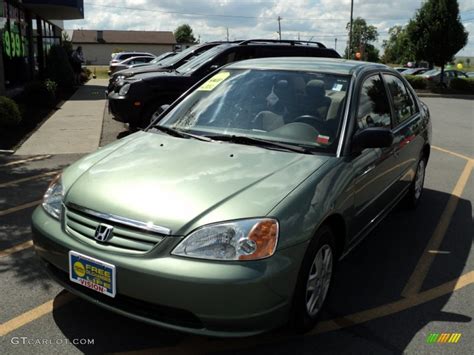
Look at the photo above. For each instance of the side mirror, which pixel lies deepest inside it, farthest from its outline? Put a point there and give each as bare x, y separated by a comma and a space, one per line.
156, 116
374, 137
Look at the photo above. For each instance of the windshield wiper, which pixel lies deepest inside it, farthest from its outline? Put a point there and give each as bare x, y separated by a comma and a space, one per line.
178, 133
269, 144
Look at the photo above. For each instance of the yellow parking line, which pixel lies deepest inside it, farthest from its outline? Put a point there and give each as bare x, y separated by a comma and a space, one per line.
17, 162
35, 313
397, 306
15, 249
19, 208
452, 153
415, 281
19, 181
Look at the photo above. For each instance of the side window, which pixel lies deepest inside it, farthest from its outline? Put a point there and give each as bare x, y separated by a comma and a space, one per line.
403, 102
373, 109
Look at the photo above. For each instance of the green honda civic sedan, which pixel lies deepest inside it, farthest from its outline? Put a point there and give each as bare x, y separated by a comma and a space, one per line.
227, 215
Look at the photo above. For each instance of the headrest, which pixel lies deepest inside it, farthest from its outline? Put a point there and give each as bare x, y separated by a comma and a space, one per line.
315, 88
281, 86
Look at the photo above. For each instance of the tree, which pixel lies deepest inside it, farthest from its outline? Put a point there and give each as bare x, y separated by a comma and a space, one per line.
184, 34
436, 32
397, 48
59, 68
362, 35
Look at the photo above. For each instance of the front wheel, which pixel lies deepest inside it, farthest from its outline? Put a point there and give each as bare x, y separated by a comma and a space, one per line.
314, 280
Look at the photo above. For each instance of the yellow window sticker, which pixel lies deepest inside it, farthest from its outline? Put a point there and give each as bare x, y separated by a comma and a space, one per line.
212, 83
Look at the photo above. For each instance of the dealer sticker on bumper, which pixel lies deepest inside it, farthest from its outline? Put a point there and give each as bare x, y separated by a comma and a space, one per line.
92, 273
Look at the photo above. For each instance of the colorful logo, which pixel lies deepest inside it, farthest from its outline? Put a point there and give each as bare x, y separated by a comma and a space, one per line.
443, 338
79, 269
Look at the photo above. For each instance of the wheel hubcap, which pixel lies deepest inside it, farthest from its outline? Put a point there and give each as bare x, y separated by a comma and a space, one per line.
420, 177
318, 280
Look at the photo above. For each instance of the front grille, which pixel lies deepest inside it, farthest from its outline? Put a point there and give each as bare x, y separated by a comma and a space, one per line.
124, 238
131, 305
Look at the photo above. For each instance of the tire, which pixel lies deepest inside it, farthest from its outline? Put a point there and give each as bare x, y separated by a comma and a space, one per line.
415, 192
307, 305
151, 112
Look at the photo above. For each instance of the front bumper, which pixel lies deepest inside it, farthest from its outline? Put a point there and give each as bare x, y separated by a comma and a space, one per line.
123, 108
195, 296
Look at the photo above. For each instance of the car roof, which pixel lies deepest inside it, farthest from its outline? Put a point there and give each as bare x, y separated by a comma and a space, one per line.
317, 64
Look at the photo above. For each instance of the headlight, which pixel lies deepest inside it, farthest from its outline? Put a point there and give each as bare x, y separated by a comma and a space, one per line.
250, 239
124, 90
53, 198
120, 80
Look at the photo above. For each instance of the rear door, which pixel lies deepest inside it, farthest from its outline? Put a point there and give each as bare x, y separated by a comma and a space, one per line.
407, 125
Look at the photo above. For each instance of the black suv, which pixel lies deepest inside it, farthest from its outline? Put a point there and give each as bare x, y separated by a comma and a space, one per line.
136, 99
166, 64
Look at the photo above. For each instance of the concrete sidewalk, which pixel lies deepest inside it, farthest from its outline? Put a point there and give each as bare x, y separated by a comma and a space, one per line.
75, 128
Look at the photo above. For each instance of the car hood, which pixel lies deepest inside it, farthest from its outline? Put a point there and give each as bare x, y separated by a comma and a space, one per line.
155, 75
184, 183
144, 68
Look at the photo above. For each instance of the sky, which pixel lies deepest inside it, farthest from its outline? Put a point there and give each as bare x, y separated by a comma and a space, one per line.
318, 20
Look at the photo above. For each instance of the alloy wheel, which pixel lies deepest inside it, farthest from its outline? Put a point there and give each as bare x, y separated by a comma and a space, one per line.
420, 177
319, 279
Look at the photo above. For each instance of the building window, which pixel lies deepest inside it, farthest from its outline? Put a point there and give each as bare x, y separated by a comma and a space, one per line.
15, 34
13, 26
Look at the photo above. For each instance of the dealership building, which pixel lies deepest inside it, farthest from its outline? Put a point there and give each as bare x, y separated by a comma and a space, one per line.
28, 28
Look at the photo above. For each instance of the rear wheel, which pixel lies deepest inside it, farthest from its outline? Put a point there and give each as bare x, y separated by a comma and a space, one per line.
314, 280
415, 192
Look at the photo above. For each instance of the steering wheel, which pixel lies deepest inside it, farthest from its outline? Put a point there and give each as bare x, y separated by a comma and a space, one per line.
314, 121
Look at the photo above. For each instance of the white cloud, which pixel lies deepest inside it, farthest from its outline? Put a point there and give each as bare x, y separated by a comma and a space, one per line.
321, 20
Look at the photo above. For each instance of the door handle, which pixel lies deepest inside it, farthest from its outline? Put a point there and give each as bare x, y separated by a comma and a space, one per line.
368, 169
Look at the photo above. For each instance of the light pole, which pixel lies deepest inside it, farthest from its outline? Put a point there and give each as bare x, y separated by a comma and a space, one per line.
279, 27
349, 50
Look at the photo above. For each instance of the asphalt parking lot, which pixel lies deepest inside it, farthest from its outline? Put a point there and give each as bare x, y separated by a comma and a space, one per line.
410, 278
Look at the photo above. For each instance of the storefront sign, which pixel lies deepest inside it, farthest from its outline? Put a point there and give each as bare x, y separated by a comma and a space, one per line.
13, 43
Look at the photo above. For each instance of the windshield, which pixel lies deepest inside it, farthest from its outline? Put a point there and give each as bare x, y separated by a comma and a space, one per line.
195, 63
160, 57
299, 108
176, 58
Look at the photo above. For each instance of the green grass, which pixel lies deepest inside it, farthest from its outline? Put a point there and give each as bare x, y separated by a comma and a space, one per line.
99, 70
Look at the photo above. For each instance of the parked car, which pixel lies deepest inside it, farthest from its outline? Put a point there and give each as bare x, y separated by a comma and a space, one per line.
136, 100
155, 60
121, 56
400, 69
470, 74
127, 63
414, 71
170, 63
434, 76
228, 216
